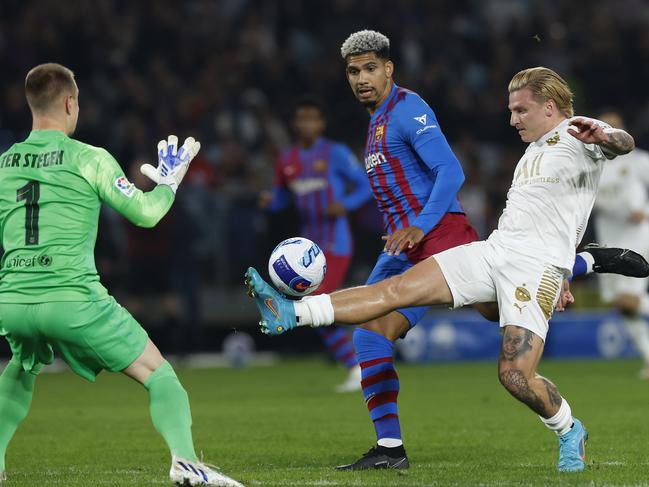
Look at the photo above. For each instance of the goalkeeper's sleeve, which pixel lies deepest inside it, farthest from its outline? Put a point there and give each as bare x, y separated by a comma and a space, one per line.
104, 174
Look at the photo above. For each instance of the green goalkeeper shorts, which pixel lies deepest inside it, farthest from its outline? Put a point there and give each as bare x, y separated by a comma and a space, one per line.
89, 336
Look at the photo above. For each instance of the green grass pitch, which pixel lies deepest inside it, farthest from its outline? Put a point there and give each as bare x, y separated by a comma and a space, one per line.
283, 426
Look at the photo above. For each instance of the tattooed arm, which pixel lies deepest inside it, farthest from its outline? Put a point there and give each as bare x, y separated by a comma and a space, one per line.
614, 142
619, 143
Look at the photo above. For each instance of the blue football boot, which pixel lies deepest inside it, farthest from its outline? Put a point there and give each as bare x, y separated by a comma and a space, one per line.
277, 312
572, 448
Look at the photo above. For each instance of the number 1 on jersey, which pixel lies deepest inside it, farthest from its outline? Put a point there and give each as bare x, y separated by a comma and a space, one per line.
30, 193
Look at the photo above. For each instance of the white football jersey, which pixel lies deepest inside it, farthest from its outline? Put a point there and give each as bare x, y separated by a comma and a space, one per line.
623, 189
551, 197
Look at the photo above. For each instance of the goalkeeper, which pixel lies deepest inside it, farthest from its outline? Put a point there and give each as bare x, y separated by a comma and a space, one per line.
51, 300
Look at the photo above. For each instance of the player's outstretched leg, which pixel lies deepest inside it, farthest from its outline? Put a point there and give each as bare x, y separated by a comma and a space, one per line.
519, 357
605, 260
16, 390
421, 285
171, 416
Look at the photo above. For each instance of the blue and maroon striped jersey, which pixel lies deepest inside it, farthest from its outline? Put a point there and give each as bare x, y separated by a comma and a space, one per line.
326, 172
413, 172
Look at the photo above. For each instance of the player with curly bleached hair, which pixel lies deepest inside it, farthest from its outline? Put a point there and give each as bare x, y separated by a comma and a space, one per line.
365, 41
415, 178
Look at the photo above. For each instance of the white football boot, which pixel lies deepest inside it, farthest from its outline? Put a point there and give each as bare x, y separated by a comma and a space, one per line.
185, 473
353, 381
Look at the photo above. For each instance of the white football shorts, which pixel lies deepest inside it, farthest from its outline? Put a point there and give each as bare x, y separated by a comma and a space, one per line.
525, 288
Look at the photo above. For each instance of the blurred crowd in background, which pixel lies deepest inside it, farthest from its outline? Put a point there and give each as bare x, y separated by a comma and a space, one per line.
228, 73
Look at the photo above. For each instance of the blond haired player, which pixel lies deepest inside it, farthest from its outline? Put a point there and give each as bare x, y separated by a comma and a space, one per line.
521, 265
622, 217
51, 300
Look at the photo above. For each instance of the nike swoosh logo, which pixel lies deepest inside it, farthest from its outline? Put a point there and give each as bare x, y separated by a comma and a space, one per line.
269, 305
396, 465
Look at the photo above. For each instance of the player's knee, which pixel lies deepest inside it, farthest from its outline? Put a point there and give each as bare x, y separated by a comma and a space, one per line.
514, 380
373, 326
399, 292
426, 286
164, 373
627, 304
380, 327
149, 361
392, 288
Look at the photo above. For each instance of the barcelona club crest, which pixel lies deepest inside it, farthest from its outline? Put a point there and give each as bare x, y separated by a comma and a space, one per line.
378, 133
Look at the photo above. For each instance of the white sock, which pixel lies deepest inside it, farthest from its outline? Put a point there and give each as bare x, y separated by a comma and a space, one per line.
561, 422
643, 306
314, 311
638, 331
590, 260
389, 442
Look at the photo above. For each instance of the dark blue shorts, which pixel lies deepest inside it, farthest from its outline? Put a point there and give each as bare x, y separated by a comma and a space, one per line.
388, 266
453, 229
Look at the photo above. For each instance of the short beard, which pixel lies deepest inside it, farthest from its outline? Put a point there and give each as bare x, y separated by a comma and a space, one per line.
370, 104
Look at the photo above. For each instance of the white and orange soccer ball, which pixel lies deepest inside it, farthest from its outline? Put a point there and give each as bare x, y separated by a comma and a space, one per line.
297, 266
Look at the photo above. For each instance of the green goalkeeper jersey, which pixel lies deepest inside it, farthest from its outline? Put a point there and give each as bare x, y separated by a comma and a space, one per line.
51, 189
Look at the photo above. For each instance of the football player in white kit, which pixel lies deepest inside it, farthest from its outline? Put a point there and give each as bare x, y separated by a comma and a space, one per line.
521, 265
622, 217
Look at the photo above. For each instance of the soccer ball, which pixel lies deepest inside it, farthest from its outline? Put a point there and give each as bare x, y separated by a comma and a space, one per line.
297, 266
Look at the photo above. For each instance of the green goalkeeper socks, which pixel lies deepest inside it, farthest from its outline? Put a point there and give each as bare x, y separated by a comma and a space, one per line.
170, 413
16, 389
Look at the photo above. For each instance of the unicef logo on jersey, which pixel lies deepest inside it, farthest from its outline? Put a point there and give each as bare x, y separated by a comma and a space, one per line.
20, 262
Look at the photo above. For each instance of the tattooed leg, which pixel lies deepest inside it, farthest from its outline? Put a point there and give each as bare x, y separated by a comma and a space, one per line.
553, 393
519, 357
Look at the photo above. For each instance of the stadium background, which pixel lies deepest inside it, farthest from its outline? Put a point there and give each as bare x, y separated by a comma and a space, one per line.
228, 72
